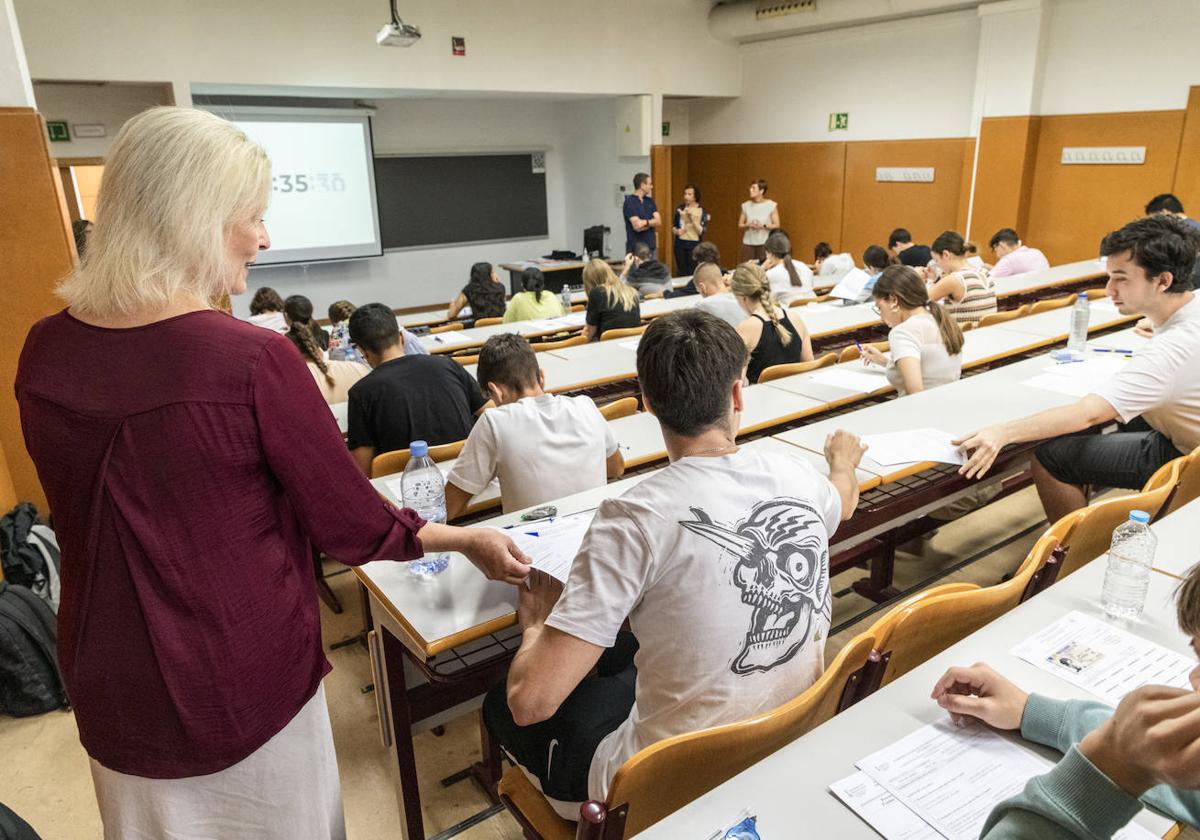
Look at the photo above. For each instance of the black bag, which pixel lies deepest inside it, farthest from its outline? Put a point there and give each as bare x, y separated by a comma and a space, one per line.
12, 827
29, 554
29, 679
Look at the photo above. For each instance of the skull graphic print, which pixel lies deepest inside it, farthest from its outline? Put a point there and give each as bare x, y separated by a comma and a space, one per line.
782, 562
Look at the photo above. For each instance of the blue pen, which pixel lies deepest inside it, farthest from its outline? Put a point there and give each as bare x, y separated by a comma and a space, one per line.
1111, 350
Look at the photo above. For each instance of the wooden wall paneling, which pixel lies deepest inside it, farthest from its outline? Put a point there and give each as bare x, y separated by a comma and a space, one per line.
714, 170
660, 174
36, 251
1004, 176
679, 179
1073, 206
873, 209
1187, 169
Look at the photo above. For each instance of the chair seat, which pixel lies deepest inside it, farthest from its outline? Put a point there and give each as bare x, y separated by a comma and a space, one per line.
528, 804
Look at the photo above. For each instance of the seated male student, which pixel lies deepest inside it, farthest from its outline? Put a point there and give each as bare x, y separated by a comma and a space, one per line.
541, 446
403, 398
900, 243
1149, 264
716, 299
1169, 205
720, 561
1013, 256
645, 273
1147, 750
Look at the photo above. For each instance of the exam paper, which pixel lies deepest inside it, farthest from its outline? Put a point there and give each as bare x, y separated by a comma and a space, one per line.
1078, 379
1102, 658
880, 810
552, 544
453, 338
917, 445
630, 344
863, 381
851, 284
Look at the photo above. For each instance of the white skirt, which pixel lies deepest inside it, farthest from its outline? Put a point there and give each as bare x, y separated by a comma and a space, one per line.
287, 789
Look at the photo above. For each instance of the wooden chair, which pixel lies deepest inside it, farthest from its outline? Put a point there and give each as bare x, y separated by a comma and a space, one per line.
488, 322
1006, 315
1187, 486
1053, 303
654, 296
395, 461
780, 371
457, 325
578, 307
664, 777
573, 341
610, 335
466, 360
849, 354
626, 407
1095, 294
801, 302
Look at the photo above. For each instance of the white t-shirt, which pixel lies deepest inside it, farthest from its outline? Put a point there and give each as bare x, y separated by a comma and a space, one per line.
725, 306
919, 338
757, 212
270, 320
722, 566
781, 284
541, 448
1160, 383
835, 267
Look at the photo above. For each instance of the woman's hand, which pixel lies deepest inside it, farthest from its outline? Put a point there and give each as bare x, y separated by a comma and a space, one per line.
491, 551
979, 692
872, 355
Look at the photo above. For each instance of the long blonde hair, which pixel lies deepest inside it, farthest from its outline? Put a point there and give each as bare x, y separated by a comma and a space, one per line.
750, 282
598, 273
174, 179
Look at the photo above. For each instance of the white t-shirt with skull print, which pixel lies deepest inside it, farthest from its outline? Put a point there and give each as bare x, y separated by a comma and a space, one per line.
722, 566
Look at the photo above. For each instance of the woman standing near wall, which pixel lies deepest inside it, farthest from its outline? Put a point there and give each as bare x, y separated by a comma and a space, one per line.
691, 221
760, 216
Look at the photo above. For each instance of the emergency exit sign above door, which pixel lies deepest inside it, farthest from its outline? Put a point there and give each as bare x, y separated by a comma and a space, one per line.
839, 122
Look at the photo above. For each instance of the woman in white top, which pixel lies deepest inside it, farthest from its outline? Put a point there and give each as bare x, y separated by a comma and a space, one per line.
760, 216
925, 341
790, 279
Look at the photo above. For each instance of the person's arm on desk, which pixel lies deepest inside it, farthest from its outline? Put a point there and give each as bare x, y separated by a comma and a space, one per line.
456, 306
843, 452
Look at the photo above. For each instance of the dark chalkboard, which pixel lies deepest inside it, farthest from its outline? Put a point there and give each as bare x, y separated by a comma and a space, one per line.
439, 200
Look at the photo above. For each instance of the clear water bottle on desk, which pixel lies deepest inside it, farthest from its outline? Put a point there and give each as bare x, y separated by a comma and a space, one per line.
424, 490
566, 299
1130, 558
1077, 339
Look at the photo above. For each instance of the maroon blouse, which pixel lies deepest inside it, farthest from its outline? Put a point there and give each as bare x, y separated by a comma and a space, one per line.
188, 463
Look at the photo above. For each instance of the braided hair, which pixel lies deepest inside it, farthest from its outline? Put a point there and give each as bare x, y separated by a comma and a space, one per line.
302, 330
750, 281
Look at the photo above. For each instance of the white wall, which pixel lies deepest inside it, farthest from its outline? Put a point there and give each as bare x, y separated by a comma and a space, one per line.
678, 112
109, 105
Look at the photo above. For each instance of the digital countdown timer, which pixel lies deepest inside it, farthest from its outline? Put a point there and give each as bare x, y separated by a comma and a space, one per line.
300, 183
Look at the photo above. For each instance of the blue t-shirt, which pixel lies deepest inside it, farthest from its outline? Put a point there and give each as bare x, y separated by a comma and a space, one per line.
643, 208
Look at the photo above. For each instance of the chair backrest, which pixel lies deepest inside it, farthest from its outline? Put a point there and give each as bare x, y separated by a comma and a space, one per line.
1006, 315
457, 325
1094, 294
801, 302
780, 371
620, 408
488, 322
849, 354
1187, 482
1053, 303
386, 463
1092, 528
573, 341
668, 775
578, 307
654, 296
467, 360
609, 335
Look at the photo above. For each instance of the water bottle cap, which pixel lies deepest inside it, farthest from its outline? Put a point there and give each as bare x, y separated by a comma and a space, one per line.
418, 449
1139, 516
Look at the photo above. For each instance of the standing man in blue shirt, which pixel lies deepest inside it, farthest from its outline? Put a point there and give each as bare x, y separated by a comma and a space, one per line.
641, 215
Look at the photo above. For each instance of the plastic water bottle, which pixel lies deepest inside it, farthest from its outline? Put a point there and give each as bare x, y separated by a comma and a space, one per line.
566, 299
1080, 312
1130, 558
424, 490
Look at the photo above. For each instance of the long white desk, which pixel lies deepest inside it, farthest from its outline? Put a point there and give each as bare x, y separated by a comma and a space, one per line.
1177, 553
1059, 275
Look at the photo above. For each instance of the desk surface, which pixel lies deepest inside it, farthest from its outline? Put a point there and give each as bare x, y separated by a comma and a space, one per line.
795, 779
1059, 275
1176, 553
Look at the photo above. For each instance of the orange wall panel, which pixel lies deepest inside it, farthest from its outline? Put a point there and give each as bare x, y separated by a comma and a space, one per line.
1187, 170
714, 170
1073, 206
1004, 176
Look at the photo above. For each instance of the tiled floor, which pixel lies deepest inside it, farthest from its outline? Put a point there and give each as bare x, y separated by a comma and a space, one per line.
46, 776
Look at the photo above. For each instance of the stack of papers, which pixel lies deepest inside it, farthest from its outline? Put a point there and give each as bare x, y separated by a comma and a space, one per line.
851, 285
915, 446
552, 544
1078, 379
453, 338
863, 381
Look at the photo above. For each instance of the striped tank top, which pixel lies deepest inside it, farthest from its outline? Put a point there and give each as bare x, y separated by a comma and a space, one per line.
979, 300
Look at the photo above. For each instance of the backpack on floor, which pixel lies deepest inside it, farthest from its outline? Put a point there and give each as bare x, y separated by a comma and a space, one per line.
12, 827
29, 554
29, 679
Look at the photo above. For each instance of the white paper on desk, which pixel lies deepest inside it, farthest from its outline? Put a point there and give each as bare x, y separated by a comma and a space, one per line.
916, 445
879, 809
1078, 379
851, 284
864, 381
630, 344
572, 319
452, 338
553, 543
1102, 658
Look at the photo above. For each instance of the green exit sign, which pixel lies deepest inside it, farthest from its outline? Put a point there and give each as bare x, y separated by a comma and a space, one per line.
839, 122
58, 131
666, 129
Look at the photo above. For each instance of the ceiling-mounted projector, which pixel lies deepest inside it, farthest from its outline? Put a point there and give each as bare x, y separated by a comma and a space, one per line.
397, 33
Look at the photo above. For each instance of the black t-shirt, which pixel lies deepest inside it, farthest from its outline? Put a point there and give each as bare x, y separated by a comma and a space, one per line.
428, 398
606, 315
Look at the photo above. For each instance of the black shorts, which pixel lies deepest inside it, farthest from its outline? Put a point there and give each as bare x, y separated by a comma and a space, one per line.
558, 751
1124, 459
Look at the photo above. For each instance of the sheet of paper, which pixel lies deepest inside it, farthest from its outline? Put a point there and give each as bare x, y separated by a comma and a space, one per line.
341, 413
880, 810
890, 448
863, 381
553, 543
1102, 658
453, 338
630, 344
1078, 379
851, 285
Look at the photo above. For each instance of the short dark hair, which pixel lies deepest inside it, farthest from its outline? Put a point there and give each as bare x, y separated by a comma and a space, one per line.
822, 250
265, 299
641, 250
762, 185
639, 179
876, 257
695, 191
373, 327
1164, 203
915, 256
949, 240
706, 252
1006, 235
1158, 244
686, 364
898, 235
340, 310
508, 360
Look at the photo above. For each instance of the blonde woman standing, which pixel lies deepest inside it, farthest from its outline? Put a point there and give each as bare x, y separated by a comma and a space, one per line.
772, 337
611, 303
189, 458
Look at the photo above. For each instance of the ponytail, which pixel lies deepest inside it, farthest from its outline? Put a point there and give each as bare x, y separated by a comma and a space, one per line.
776, 315
303, 333
952, 334
532, 280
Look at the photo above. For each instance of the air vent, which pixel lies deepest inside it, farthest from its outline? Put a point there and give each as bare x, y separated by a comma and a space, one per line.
776, 10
